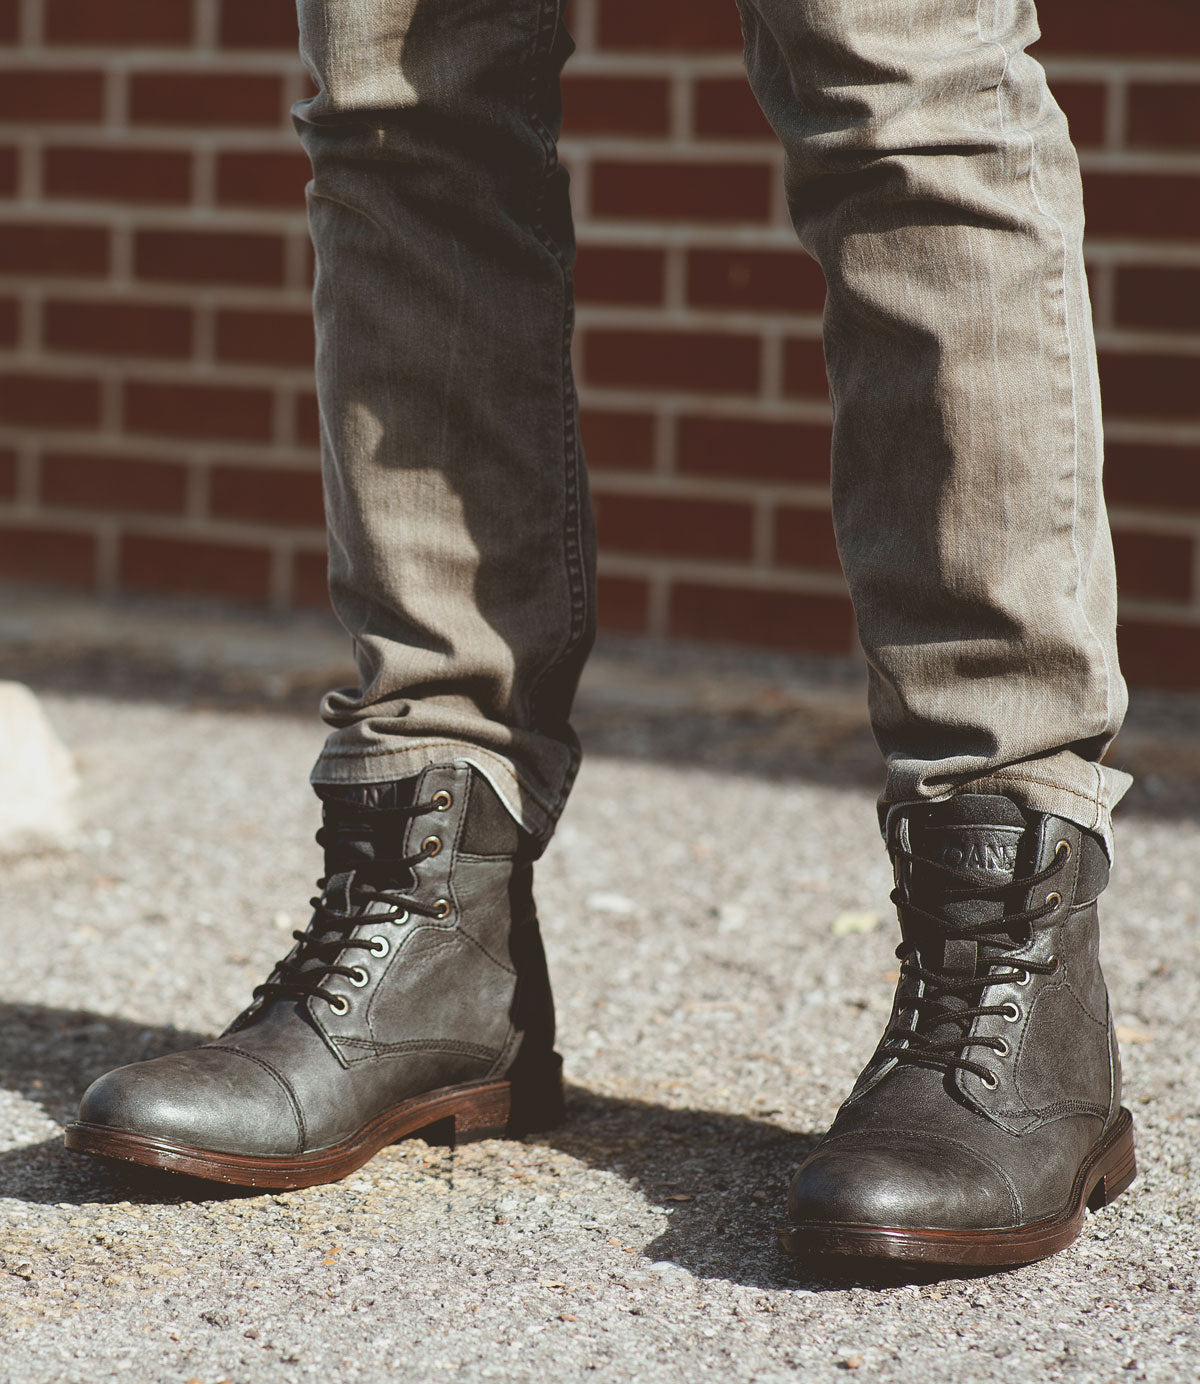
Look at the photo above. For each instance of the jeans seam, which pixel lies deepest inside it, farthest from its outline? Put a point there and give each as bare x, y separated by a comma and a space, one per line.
1068, 336
549, 17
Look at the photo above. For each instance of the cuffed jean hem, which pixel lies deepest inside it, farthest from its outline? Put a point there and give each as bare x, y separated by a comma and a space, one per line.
1063, 785
528, 809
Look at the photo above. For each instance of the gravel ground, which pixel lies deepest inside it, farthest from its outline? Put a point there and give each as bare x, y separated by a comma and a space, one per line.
718, 990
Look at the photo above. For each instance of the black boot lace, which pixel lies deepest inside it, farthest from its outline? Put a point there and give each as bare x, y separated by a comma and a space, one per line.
997, 939
362, 869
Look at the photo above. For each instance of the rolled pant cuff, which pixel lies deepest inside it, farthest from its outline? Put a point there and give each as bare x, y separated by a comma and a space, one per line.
530, 812
1075, 789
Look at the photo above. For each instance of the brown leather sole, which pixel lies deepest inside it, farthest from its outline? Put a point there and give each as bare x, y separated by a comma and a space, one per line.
1105, 1174
454, 1114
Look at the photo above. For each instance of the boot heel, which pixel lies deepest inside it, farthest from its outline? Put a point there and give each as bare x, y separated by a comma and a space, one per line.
486, 1117
1119, 1166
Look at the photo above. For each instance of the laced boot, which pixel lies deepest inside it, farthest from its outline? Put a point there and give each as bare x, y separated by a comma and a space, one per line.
416, 1000
989, 1117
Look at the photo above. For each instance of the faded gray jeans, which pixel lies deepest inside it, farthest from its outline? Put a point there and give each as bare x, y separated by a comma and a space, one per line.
930, 173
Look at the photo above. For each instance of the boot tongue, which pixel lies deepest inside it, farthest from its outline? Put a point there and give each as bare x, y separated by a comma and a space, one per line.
349, 842
978, 837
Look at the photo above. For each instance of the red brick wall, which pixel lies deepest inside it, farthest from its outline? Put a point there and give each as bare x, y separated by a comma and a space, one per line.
157, 424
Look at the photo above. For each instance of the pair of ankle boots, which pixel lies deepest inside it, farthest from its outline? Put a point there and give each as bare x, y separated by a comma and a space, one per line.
418, 1001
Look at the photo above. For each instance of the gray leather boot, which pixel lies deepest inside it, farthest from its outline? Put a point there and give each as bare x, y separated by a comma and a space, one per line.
416, 1000
989, 1117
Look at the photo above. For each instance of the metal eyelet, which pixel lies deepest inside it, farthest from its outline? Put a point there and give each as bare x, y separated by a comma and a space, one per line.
1054, 961
990, 1080
1023, 978
442, 908
1063, 848
1000, 1047
1010, 1012
399, 918
359, 977
442, 801
432, 845
380, 946
340, 1005
1053, 900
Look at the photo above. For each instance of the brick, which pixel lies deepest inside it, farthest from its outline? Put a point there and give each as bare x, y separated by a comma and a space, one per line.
49, 96
754, 448
117, 175
701, 26
308, 420
55, 556
262, 179
623, 604
1084, 104
117, 328
198, 411
8, 472
1164, 115
804, 368
800, 620
9, 17
188, 567
1160, 476
217, 257
616, 105
1157, 566
772, 279
8, 171
1159, 654
804, 538
276, 338
142, 23
52, 401
672, 360
267, 495
310, 581
205, 99
668, 526
725, 108
81, 481
1166, 27
10, 321
263, 24
1156, 205
1154, 386
1158, 296
667, 191
619, 274
41, 248
617, 441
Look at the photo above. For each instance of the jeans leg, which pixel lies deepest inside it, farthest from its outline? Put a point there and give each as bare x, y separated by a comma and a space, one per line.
461, 549
931, 174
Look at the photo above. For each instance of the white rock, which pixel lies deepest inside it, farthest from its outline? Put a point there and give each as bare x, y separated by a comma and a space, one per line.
38, 782
601, 902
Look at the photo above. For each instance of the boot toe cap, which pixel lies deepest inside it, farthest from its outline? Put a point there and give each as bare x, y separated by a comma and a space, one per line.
208, 1098
913, 1184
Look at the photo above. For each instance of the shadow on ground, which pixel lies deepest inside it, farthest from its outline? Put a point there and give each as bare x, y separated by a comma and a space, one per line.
720, 1177
776, 736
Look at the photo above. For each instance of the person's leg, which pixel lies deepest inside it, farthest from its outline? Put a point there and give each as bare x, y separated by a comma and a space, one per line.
461, 563
461, 549
931, 174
